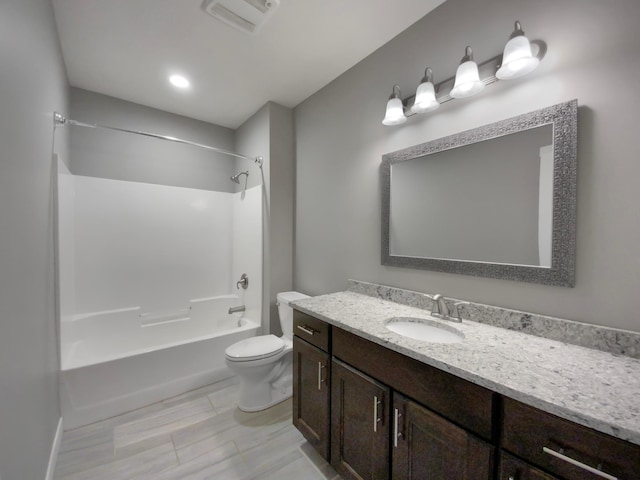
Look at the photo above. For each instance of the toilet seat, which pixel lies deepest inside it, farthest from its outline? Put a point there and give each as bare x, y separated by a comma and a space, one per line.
254, 348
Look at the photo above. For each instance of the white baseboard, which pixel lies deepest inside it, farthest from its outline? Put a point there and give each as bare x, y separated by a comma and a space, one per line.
53, 457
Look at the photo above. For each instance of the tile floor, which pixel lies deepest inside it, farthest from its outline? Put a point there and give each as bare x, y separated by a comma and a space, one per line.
200, 435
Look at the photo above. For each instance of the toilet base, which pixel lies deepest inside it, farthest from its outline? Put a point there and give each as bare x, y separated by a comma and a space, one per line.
255, 397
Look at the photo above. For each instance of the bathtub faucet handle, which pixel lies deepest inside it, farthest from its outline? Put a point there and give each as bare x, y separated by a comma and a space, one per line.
243, 282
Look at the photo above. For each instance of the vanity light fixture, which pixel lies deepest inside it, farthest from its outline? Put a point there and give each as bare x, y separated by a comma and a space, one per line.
520, 57
425, 94
468, 81
395, 109
517, 59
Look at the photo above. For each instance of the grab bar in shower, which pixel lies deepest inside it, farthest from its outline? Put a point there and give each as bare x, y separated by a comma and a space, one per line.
163, 316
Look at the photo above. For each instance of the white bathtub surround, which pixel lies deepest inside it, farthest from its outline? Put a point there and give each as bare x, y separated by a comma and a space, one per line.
114, 362
590, 387
612, 340
200, 434
156, 246
147, 275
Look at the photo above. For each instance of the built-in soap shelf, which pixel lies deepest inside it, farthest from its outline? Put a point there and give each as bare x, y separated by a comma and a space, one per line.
151, 318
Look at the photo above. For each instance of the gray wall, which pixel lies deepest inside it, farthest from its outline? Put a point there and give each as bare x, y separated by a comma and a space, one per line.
592, 56
269, 133
32, 86
123, 156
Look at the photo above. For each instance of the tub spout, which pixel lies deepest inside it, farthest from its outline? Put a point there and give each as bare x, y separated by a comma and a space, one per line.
241, 308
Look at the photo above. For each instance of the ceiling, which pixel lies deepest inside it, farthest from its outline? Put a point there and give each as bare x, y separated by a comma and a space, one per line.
128, 48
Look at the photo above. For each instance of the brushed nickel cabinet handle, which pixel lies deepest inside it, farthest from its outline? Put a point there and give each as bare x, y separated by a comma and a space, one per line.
307, 330
376, 419
578, 464
396, 426
320, 379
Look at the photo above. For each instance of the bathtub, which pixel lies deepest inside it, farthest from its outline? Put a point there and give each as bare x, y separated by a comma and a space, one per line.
119, 360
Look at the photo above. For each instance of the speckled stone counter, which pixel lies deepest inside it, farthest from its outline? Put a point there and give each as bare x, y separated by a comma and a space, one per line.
590, 387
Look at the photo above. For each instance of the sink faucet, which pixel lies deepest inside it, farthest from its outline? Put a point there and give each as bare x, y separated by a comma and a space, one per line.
441, 309
440, 305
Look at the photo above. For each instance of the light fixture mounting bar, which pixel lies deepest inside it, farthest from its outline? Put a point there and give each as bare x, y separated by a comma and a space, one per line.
487, 71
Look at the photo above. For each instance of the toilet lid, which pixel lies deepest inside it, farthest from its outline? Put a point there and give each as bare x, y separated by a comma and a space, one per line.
254, 348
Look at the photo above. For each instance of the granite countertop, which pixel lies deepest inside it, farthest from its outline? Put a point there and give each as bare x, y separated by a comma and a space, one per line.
590, 387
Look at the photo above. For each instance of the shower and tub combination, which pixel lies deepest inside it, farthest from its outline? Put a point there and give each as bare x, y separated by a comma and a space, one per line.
151, 288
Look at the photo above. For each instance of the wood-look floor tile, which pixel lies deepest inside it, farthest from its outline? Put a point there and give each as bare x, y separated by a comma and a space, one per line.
311, 454
292, 469
203, 468
203, 430
286, 441
146, 464
201, 392
183, 438
163, 422
84, 436
225, 399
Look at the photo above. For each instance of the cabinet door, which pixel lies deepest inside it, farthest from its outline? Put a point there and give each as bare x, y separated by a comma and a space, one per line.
311, 394
425, 445
359, 424
512, 468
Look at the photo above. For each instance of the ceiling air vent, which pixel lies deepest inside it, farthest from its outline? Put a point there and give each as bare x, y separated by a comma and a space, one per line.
245, 15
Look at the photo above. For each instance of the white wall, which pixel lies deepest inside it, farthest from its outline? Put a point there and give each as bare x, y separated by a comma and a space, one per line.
32, 86
592, 56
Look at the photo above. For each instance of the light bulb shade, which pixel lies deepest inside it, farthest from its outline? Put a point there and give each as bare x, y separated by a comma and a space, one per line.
517, 59
467, 80
395, 112
425, 98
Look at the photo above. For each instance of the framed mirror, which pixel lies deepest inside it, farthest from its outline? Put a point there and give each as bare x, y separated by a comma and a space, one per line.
497, 201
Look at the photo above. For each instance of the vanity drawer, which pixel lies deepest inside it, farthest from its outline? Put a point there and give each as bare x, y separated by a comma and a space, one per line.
564, 448
458, 400
311, 329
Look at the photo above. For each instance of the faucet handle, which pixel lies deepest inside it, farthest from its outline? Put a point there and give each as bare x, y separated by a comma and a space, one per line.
456, 309
243, 282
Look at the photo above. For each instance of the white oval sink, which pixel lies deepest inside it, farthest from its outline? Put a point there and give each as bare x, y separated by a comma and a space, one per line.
424, 329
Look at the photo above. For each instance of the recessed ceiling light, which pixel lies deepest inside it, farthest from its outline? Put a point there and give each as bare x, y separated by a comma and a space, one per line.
179, 81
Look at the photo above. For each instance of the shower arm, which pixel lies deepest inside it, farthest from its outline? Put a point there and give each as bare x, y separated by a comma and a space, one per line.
61, 120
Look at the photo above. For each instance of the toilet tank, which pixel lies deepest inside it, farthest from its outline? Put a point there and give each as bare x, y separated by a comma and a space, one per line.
285, 310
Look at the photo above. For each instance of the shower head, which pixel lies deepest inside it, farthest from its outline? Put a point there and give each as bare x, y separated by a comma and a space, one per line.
236, 177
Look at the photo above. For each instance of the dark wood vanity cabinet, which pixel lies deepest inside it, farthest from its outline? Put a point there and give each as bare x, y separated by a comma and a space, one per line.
413, 399
384, 415
311, 381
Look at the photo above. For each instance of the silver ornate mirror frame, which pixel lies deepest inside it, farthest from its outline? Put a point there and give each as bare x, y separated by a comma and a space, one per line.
564, 119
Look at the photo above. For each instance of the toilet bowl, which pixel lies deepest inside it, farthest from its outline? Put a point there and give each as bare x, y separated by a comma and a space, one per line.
264, 363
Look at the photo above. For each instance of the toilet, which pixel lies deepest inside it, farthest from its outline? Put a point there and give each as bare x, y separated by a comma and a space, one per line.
264, 363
